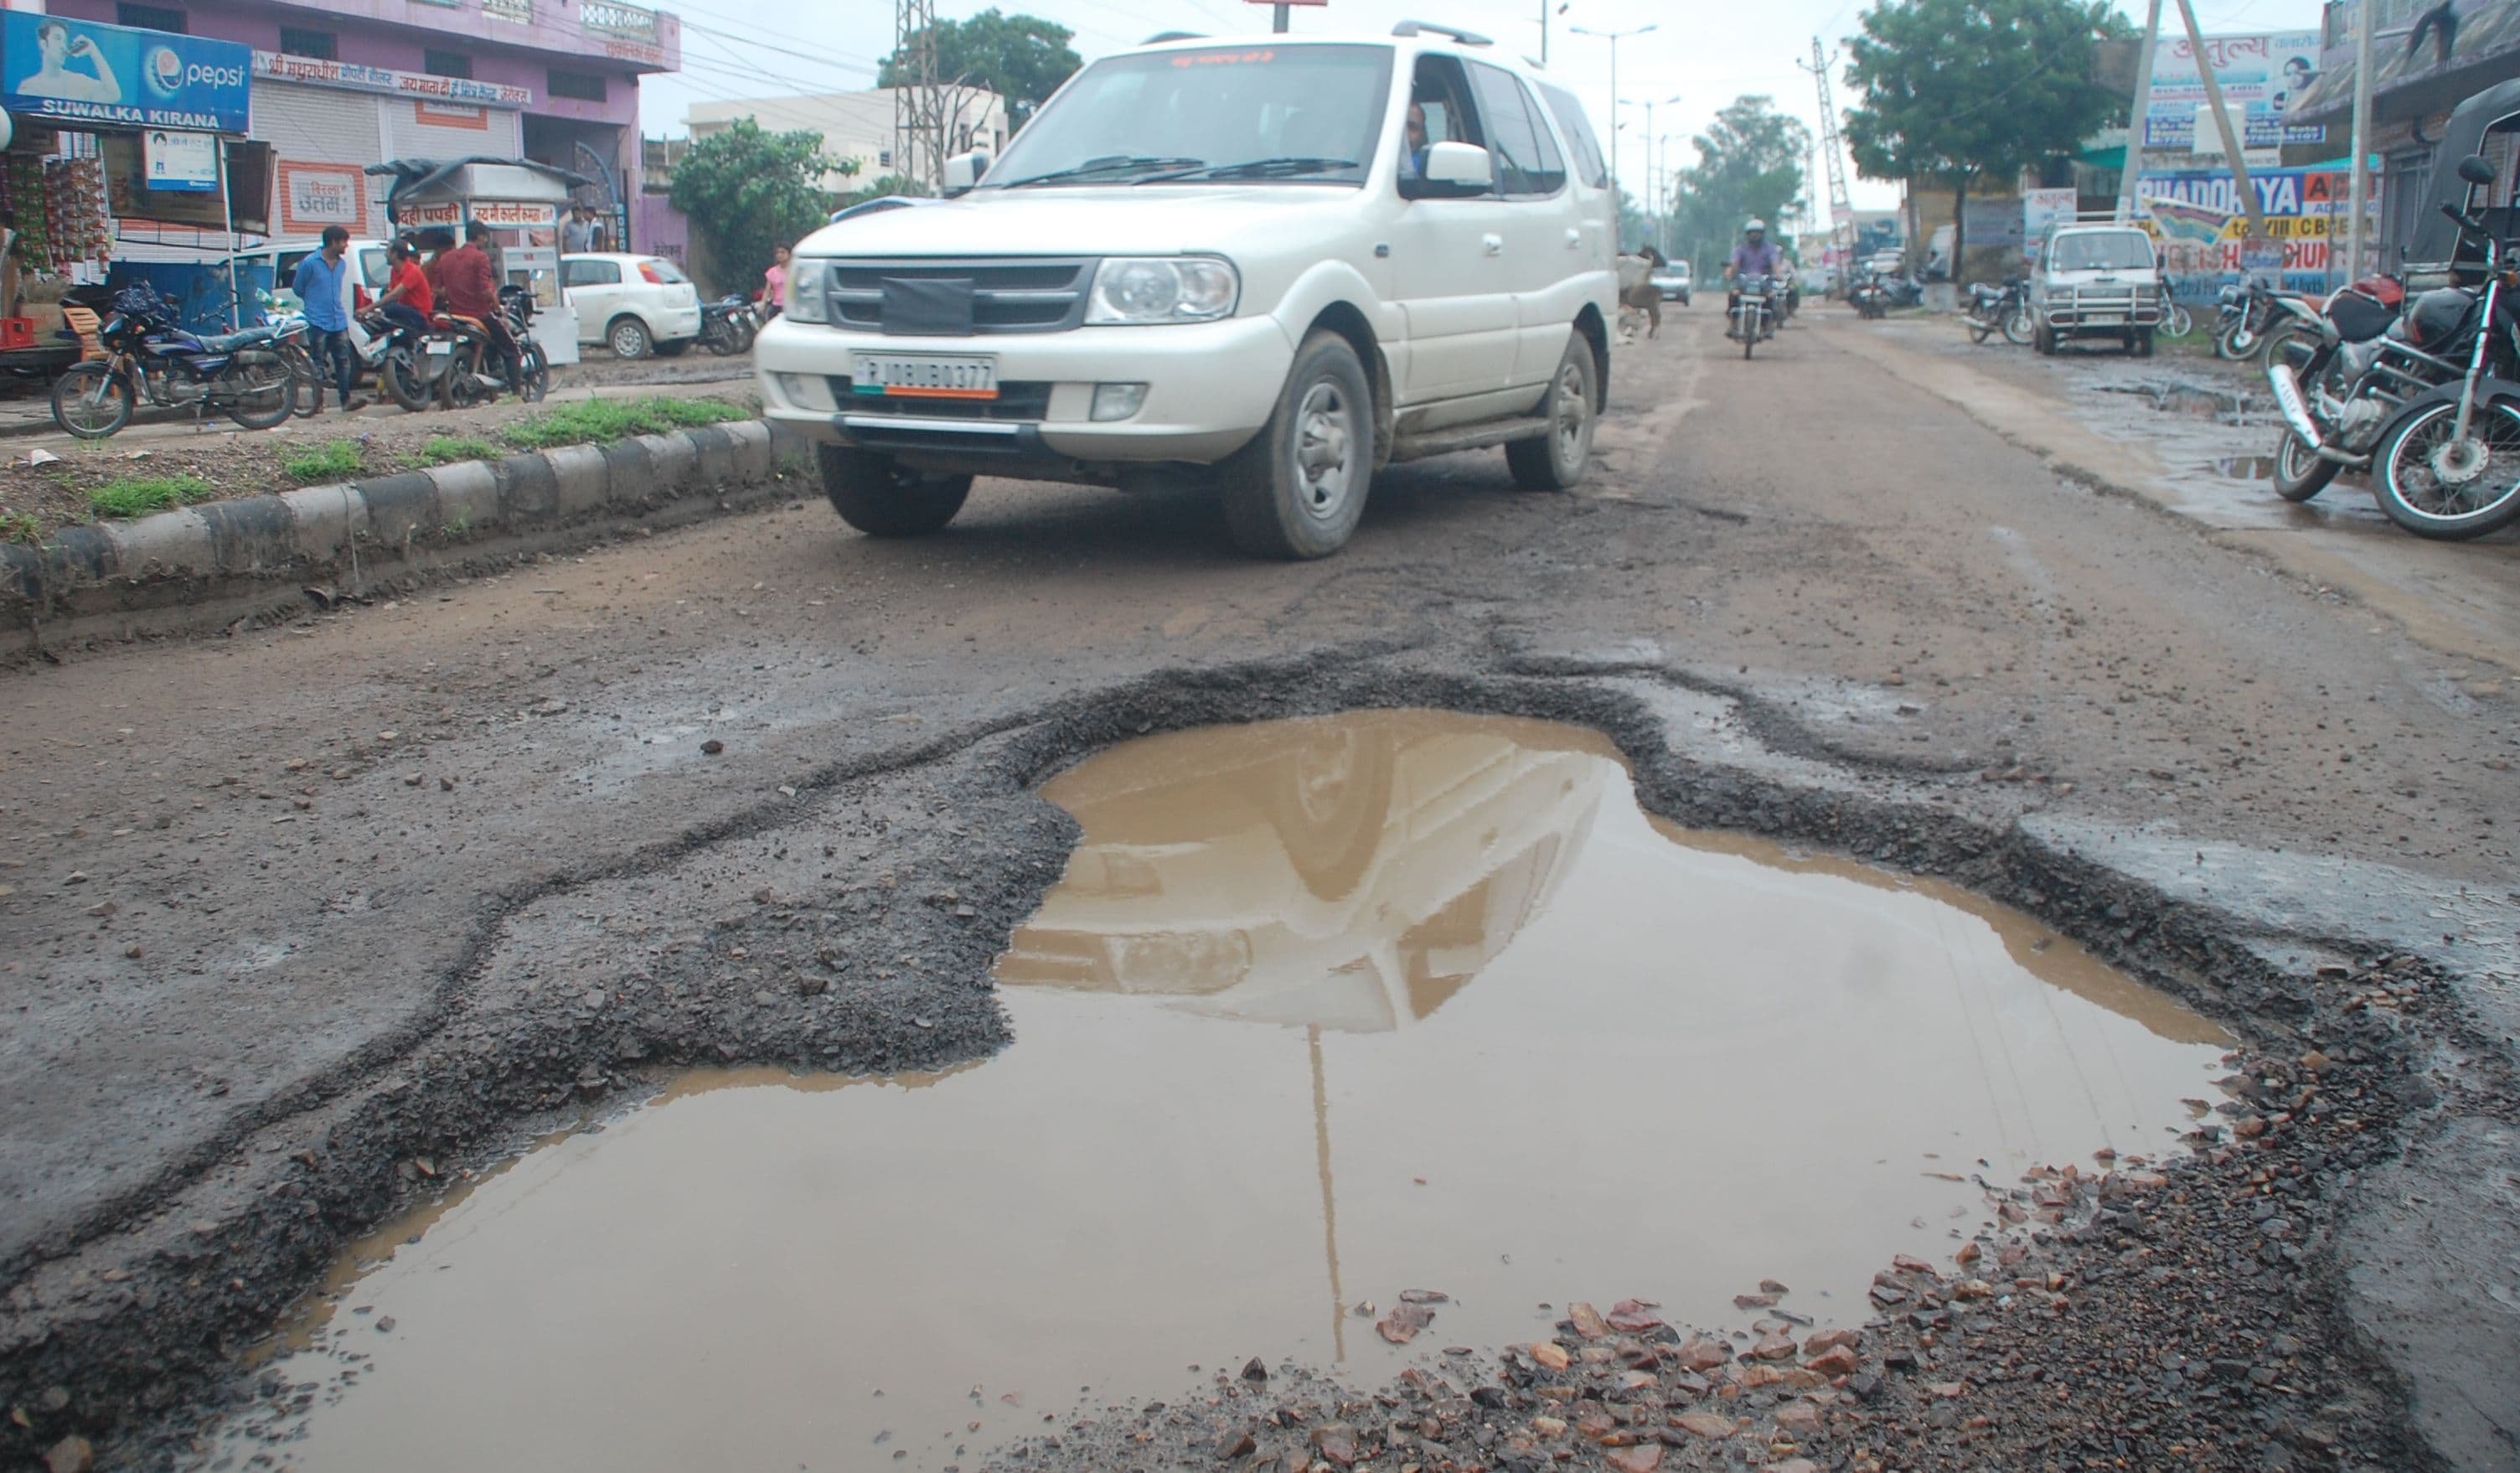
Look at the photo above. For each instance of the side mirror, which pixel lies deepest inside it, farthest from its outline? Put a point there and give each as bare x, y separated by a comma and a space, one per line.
1453, 170
964, 170
2475, 170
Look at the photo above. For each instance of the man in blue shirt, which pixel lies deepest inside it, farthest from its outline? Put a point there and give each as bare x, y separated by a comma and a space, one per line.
323, 293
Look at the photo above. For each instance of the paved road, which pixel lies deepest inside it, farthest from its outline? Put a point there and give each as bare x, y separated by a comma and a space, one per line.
1859, 545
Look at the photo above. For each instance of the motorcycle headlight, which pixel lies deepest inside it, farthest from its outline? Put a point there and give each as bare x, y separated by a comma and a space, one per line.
809, 282
1137, 289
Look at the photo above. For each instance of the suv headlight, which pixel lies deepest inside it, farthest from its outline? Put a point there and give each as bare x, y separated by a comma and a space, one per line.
809, 282
1130, 289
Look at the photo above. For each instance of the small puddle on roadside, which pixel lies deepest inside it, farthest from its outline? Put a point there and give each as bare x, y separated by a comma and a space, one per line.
1322, 1010
2245, 468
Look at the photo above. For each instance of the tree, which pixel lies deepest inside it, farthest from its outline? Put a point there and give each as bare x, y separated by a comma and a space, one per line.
1022, 59
1749, 165
1958, 91
746, 193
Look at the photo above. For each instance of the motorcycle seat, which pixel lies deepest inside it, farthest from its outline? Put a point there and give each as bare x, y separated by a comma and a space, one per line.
458, 320
229, 343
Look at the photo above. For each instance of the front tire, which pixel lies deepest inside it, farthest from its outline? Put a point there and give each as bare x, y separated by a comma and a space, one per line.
1299, 489
2409, 472
2238, 342
1556, 461
2042, 339
534, 375
875, 495
629, 339
401, 375
2301, 472
91, 401
2017, 329
675, 349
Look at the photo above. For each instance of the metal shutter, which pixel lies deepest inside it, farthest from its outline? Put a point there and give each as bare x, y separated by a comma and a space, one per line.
311, 127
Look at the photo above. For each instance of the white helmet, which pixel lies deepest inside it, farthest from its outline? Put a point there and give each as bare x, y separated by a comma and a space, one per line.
1756, 224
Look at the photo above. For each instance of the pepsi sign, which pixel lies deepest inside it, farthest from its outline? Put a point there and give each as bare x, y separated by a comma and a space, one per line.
84, 74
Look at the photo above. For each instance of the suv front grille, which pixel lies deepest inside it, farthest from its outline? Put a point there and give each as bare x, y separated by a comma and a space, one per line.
1008, 293
1017, 399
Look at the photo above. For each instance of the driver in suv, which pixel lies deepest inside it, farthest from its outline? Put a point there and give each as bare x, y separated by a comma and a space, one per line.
1301, 291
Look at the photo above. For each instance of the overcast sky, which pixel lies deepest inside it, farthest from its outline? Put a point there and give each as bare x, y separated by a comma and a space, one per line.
755, 48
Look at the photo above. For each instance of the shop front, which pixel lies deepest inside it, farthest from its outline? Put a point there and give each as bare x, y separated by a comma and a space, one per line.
520, 200
107, 124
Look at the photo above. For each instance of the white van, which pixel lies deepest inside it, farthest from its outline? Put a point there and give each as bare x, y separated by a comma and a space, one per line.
1222, 258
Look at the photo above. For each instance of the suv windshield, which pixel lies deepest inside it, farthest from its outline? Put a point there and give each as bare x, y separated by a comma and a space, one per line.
1251, 113
2102, 250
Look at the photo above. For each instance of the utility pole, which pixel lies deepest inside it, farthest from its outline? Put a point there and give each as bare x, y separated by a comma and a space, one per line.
2223, 125
1614, 38
2356, 244
1278, 18
1649, 104
1544, 33
914, 158
1841, 203
2136, 120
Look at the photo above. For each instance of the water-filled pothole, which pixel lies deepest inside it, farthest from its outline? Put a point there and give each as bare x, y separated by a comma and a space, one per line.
1322, 1011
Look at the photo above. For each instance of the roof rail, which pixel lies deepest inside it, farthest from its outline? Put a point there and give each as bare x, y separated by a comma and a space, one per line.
1419, 27
1161, 36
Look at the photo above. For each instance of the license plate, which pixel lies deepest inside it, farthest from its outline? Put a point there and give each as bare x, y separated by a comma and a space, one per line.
441, 347
2104, 319
923, 377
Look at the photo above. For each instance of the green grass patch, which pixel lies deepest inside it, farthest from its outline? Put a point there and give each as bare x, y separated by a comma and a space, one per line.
331, 461
140, 495
447, 449
597, 421
21, 526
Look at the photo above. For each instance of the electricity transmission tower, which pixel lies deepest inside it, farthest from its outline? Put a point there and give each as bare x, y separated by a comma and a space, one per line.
1842, 207
915, 95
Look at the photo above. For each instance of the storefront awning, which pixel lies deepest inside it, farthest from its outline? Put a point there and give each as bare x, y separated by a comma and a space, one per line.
503, 193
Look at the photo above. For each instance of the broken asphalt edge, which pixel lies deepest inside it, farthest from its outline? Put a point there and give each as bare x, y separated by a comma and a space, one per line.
141, 1311
208, 564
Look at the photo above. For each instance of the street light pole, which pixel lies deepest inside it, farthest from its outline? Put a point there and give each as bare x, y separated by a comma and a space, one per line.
1614, 38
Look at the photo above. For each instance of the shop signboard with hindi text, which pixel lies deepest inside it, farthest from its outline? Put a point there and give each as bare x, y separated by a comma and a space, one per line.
2203, 230
2259, 74
84, 75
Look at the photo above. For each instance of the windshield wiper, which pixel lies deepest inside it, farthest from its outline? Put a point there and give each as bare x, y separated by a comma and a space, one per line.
1257, 169
1109, 163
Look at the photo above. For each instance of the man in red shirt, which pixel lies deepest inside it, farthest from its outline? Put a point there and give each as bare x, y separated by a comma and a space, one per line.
408, 301
467, 288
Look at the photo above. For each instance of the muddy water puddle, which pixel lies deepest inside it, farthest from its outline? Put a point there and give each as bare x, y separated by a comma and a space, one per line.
1322, 1011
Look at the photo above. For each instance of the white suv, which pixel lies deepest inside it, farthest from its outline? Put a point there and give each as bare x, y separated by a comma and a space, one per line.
1224, 256
2095, 281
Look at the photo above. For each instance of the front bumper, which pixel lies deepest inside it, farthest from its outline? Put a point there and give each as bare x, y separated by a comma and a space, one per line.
1209, 388
2088, 311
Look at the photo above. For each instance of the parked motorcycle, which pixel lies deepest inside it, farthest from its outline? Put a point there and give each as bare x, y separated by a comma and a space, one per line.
1868, 297
2253, 318
1753, 310
2427, 399
729, 325
2001, 309
452, 364
146, 351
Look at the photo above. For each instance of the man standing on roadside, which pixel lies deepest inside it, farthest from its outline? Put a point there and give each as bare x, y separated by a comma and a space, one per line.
467, 288
577, 232
323, 294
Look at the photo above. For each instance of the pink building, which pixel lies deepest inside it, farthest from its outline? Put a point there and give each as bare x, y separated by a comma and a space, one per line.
358, 81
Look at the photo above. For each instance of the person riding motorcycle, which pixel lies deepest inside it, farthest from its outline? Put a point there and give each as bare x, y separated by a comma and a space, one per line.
1756, 255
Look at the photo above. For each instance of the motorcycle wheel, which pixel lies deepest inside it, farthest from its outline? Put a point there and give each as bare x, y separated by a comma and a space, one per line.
745, 337
91, 401
2301, 472
402, 381
2237, 341
719, 342
2276, 347
305, 385
2409, 464
2016, 329
535, 373
257, 390
1750, 337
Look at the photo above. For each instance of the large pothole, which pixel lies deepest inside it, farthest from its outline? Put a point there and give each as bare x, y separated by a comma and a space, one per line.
1323, 1011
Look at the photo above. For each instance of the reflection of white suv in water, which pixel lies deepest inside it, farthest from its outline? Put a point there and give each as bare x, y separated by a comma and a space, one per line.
1223, 258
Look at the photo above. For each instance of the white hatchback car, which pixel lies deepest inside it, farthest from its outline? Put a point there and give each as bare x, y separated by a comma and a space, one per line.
632, 304
1285, 294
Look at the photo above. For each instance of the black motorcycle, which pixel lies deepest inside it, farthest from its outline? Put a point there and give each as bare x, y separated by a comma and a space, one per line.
2001, 309
1753, 310
2253, 320
454, 363
244, 376
729, 325
2427, 399
1867, 297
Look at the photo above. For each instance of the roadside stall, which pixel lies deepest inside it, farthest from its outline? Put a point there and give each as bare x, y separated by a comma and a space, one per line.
521, 201
111, 123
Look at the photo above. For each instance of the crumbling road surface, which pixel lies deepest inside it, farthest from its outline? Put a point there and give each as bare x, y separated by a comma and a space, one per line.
290, 910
